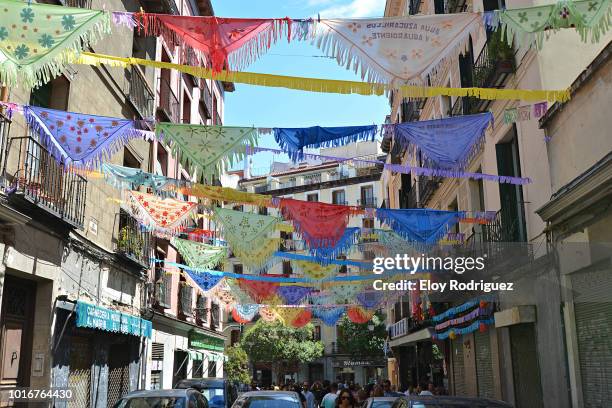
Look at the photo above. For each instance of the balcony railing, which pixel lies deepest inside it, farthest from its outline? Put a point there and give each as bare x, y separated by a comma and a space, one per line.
287, 184
206, 99
132, 241
414, 6
427, 187
43, 181
163, 289
184, 300
5, 128
409, 199
313, 179
262, 189
202, 309
399, 328
215, 316
168, 102
77, 3
368, 202
140, 94
339, 175
218, 120
160, 6
340, 202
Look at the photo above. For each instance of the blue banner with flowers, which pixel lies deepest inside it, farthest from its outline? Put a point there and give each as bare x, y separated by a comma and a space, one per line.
97, 317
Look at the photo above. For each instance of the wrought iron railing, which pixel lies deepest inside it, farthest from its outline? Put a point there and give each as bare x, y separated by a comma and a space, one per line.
368, 202
312, 179
185, 296
339, 175
168, 102
427, 187
414, 6
77, 3
262, 189
287, 184
47, 183
215, 316
163, 289
202, 309
132, 240
140, 93
206, 98
5, 128
340, 202
399, 328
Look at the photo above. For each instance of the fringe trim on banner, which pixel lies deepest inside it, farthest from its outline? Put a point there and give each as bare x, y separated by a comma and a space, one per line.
261, 259
137, 211
253, 49
342, 246
55, 62
103, 153
236, 153
396, 226
335, 45
330, 85
369, 133
511, 31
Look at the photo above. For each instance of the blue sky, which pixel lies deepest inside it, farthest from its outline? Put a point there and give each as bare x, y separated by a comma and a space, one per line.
275, 107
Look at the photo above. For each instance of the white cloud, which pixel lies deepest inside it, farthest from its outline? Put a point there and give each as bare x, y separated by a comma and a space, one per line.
356, 8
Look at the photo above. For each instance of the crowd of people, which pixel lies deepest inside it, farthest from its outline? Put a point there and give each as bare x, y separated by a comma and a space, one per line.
326, 394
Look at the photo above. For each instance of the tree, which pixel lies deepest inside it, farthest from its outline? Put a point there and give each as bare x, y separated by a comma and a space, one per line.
283, 347
237, 365
357, 339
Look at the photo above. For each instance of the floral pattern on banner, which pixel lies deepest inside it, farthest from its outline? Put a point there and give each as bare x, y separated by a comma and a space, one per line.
258, 290
314, 270
161, 215
200, 255
209, 149
359, 315
79, 139
37, 40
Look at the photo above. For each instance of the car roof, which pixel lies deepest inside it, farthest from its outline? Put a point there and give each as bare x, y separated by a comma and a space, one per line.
382, 398
160, 393
270, 393
447, 399
204, 382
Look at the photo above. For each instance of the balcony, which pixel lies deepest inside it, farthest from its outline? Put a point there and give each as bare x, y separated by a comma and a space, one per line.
340, 202
215, 316
399, 328
312, 179
339, 175
335, 348
140, 94
86, 4
206, 99
185, 297
427, 187
5, 128
409, 199
42, 181
367, 202
169, 104
414, 7
490, 70
287, 184
201, 311
163, 289
132, 242
456, 6
160, 6
262, 189
217, 118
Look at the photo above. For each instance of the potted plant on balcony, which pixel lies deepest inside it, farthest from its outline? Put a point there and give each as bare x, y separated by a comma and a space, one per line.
130, 243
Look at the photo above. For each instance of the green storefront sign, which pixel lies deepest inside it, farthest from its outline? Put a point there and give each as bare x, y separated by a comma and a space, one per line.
201, 341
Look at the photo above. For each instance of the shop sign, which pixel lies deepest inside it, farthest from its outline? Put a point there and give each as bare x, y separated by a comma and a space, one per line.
101, 318
348, 363
201, 341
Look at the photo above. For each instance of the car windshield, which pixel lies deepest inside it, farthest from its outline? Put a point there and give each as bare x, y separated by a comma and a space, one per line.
382, 404
270, 402
151, 402
214, 396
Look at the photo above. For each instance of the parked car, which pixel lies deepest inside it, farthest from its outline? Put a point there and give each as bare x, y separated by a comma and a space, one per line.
186, 398
379, 402
442, 401
220, 393
268, 399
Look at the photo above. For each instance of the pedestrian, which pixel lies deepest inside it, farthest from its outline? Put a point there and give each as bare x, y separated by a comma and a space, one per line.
387, 391
346, 400
310, 398
298, 389
329, 400
428, 391
377, 391
362, 396
319, 392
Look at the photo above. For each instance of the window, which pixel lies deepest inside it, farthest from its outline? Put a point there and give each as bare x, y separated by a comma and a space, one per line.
439, 6
186, 108
53, 94
212, 369
287, 270
263, 211
316, 335
367, 223
238, 269
367, 196
338, 197
129, 160
312, 197
162, 161
157, 357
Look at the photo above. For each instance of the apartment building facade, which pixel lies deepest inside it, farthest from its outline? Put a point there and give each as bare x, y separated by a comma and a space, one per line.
70, 254
521, 358
333, 182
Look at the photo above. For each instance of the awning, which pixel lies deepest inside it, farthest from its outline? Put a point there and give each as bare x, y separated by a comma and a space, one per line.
415, 337
200, 355
102, 318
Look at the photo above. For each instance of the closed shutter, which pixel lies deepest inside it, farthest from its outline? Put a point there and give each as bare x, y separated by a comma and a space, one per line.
79, 374
458, 367
525, 368
593, 313
118, 372
157, 365
484, 365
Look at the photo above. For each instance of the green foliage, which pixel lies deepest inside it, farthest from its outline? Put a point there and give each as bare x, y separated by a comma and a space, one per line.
237, 366
356, 338
281, 346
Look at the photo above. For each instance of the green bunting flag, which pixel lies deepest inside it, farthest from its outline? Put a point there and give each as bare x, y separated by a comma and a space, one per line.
37, 41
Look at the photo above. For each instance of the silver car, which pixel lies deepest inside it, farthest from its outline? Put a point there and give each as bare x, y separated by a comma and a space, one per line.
443, 401
379, 402
187, 398
268, 399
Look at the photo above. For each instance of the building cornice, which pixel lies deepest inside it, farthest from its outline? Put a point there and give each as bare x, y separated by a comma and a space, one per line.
590, 187
325, 185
